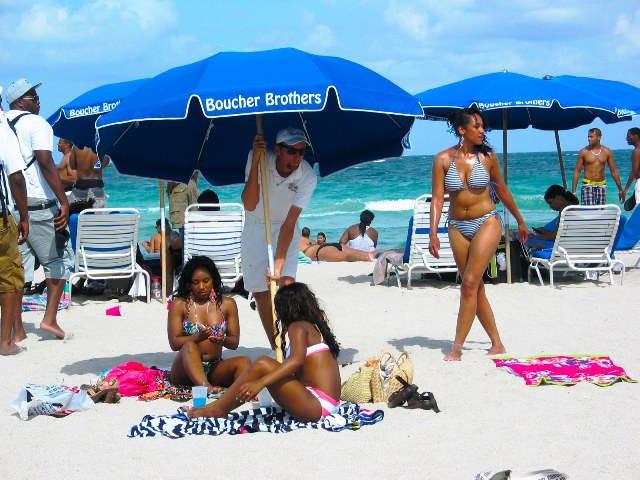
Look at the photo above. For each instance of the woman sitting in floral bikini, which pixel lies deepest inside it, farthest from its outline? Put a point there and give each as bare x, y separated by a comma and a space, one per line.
200, 323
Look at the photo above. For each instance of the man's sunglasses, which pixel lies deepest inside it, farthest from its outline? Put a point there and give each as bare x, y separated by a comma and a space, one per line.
35, 98
292, 150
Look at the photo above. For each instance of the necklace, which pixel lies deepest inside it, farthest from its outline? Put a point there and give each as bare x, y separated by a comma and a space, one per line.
596, 154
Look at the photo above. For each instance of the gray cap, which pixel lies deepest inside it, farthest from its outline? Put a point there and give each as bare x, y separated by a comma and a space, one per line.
18, 89
291, 136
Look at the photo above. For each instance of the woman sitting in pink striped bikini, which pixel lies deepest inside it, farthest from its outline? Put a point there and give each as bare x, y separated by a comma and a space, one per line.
307, 383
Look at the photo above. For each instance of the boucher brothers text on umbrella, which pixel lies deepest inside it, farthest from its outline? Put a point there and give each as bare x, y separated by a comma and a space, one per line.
270, 99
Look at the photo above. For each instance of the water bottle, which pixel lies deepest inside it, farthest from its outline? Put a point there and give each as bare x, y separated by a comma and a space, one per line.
155, 288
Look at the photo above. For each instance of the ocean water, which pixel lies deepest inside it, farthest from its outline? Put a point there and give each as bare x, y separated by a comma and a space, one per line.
386, 187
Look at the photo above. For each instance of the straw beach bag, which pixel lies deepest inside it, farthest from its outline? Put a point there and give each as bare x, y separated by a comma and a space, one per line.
357, 388
402, 367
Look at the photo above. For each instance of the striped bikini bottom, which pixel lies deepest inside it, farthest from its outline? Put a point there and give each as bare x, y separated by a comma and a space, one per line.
469, 228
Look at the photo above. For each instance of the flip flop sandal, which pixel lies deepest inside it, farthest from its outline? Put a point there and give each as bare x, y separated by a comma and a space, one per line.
112, 395
405, 393
425, 401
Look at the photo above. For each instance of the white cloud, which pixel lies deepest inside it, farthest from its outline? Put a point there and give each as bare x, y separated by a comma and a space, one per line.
626, 29
408, 20
94, 32
318, 36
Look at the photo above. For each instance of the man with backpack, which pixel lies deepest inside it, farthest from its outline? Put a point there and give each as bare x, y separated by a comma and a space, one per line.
12, 184
46, 201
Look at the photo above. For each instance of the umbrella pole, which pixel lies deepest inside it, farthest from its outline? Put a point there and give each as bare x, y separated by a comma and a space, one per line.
269, 237
163, 244
507, 235
562, 172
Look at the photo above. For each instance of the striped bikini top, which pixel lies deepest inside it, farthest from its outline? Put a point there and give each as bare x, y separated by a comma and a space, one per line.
479, 177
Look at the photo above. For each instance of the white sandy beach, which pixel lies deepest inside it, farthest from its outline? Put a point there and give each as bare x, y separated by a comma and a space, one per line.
490, 420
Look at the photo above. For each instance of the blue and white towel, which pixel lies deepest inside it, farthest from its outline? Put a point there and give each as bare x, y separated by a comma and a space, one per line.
267, 419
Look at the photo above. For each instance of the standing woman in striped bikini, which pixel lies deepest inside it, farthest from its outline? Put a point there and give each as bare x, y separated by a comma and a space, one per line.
470, 173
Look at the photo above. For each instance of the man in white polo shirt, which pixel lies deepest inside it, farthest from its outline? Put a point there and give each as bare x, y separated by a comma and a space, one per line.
48, 218
291, 182
12, 184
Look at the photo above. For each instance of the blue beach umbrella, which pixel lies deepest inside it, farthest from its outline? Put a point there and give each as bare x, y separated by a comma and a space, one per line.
511, 101
625, 97
531, 102
203, 115
76, 120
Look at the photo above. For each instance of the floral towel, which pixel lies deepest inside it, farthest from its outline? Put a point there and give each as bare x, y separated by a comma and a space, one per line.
565, 369
267, 419
38, 303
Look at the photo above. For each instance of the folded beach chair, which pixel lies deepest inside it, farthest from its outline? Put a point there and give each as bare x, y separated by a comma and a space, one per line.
584, 243
416, 256
629, 241
106, 242
215, 234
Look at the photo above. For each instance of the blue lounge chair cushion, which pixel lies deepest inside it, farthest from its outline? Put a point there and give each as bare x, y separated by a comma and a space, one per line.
631, 233
546, 253
407, 245
73, 229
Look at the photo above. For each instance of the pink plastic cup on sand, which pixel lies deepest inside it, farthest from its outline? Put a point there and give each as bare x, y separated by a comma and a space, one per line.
114, 311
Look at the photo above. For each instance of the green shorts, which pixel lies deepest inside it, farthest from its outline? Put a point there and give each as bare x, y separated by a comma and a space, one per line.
11, 270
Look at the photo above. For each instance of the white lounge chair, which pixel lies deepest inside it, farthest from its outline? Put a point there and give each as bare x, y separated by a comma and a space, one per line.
583, 243
106, 244
416, 255
215, 234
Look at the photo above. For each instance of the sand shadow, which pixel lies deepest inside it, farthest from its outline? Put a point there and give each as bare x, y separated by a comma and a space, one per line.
444, 346
445, 280
347, 355
355, 279
150, 359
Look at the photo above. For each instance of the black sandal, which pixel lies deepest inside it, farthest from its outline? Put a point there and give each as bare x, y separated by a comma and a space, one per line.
424, 400
405, 393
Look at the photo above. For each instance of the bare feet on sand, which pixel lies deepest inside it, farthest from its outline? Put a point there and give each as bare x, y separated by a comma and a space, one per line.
497, 350
53, 328
11, 349
19, 336
207, 411
455, 355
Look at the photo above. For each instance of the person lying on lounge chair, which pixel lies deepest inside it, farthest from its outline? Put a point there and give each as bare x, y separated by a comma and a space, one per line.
558, 199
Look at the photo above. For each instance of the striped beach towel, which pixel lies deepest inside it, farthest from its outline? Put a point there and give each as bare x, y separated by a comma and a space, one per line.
267, 419
38, 303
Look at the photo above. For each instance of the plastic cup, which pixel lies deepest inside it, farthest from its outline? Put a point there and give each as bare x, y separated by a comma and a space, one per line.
199, 396
264, 398
114, 311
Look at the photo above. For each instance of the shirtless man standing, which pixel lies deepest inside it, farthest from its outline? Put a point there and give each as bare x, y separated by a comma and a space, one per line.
68, 176
89, 183
633, 138
593, 158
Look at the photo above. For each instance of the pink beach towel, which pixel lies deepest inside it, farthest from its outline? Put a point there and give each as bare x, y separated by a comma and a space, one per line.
565, 369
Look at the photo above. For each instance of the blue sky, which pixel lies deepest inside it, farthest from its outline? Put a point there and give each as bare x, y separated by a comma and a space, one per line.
73, 46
